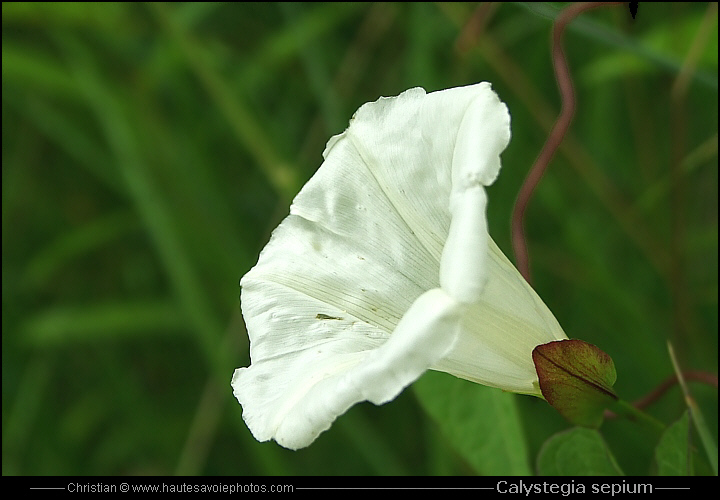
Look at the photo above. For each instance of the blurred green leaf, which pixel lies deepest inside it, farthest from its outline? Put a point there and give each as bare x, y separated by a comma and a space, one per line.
109, 321
662, 41
673, 450
656, 49
481, 423
29, 67
577, 452
77, 244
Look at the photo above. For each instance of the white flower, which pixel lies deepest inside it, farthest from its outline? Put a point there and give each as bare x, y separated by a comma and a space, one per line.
385, 269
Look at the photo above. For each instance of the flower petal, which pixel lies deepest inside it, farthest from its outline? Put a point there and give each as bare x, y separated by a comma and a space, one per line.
483, 134
320, 383
463, 267
500, 332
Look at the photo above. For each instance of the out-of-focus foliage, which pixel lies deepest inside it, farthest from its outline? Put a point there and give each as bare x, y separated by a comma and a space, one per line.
149, 150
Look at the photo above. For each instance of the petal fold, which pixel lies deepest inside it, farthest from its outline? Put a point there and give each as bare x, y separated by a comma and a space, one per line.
328, 385
464, 267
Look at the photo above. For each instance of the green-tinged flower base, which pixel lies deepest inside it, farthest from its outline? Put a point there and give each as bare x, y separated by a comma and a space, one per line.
576, 378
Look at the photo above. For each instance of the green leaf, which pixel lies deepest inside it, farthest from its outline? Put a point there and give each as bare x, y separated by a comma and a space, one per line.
481, 423
671, 454
577, 452
576, 378
110, 320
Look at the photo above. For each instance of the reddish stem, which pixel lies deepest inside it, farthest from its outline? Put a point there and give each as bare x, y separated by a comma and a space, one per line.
655, 394
567, 94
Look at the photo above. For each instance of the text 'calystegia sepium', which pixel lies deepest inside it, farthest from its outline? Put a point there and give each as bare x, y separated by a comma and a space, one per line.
385, 269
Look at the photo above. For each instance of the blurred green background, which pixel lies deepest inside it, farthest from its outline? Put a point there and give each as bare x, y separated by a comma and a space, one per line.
150, 149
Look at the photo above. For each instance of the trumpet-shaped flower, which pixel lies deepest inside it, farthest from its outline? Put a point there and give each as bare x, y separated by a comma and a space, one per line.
385, 269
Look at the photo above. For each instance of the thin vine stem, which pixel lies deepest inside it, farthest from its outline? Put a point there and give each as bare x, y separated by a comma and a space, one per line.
632, 412
665, 385
562, 124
